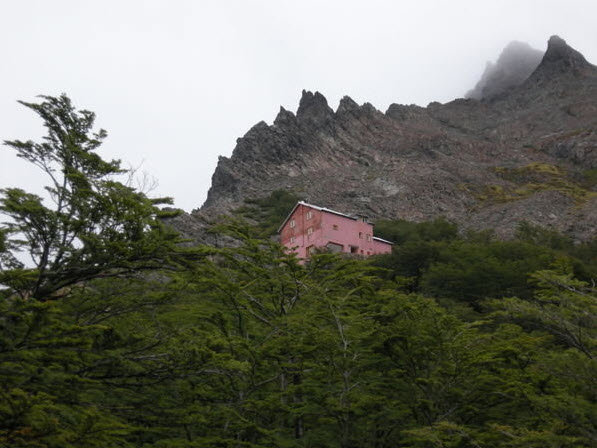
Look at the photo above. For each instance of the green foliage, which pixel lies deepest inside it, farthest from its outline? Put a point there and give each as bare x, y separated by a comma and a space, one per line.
431, 258
535, 177
401, 231
95, 226
250, 348
590, 179
582, 255
283, 338
269, 212
416, 247
543, 237
563, 306
468, 272
148, 345
44, 398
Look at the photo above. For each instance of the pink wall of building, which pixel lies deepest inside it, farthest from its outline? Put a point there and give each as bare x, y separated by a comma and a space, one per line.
310, 227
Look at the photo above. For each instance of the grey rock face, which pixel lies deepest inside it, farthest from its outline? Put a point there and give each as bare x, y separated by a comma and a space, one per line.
314, 108
521, 155
562, 58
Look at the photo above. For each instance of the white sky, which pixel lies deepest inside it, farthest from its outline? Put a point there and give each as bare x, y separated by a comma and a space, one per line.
176, 82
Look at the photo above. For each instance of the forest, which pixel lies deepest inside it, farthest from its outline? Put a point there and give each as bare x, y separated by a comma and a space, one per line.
116, 332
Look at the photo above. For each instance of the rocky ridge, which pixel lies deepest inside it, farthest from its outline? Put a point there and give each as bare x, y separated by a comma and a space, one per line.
526, 153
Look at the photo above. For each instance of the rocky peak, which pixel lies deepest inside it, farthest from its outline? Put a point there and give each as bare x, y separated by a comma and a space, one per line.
314, 107
560, 57
347, 105
285, 119
514, 65
245, 146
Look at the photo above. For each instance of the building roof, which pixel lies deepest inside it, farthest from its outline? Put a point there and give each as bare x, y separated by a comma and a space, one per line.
323, 209
381, 240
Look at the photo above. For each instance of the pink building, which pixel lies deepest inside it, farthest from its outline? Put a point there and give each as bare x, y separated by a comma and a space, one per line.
308, 227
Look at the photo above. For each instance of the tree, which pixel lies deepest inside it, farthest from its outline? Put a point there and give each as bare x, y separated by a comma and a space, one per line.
274, 348
268, 212
95, 227
563, 306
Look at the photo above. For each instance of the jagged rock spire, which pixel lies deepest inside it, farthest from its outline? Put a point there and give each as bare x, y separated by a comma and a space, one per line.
314, 107
561, 57
285, 118
347, 104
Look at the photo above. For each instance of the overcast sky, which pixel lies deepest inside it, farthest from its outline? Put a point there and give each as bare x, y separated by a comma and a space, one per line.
176, 82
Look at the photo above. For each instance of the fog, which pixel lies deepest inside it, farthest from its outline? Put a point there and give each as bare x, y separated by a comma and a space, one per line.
515, 64
175, 83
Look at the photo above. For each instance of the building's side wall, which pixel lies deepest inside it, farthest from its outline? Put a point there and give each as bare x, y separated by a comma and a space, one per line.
382, 248
349, 233
300, 230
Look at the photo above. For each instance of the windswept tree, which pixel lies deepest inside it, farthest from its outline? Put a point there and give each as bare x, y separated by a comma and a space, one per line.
92, 226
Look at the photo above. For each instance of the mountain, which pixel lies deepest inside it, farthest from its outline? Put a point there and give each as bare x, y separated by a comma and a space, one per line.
513, 67
524, 153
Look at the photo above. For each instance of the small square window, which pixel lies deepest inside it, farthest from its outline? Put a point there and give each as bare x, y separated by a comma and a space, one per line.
361, 235
335, 226
309, 230
368, 237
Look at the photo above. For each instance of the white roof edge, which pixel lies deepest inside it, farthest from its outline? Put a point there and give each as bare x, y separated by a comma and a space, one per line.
382, 240
323, 209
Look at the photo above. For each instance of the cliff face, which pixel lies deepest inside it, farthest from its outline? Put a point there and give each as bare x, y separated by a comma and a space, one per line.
522, 154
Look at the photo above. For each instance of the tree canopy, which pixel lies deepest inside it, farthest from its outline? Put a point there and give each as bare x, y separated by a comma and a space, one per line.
118, 336
89, 225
